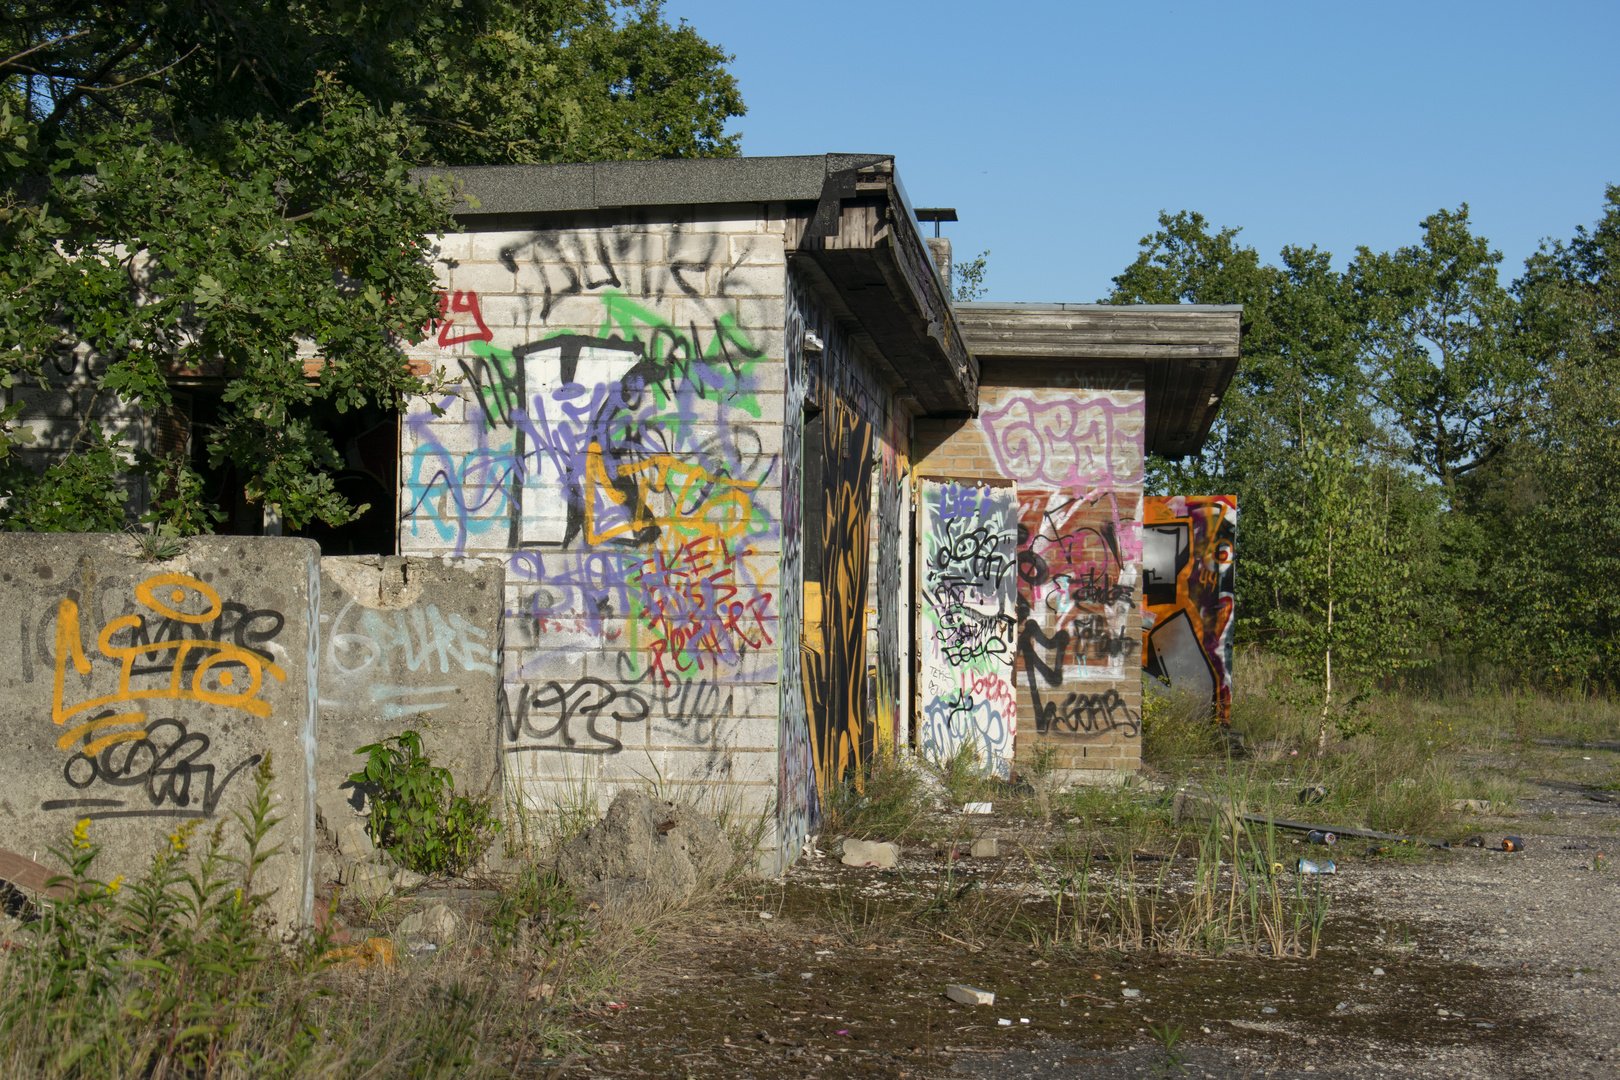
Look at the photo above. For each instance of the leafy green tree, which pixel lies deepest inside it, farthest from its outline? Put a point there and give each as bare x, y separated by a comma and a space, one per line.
1437, 330
1557, 593
970, 277
221, 188
1344, 588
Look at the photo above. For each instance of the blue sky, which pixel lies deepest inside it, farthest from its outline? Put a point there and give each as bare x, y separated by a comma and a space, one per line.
1059, 131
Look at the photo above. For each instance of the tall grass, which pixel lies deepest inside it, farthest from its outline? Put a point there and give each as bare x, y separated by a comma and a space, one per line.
182, 973
1233, 892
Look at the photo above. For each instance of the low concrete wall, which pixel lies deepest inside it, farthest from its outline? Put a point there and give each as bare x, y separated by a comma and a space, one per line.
141, 695
409, 643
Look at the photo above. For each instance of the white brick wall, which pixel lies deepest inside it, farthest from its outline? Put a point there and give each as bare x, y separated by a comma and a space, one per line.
574, 638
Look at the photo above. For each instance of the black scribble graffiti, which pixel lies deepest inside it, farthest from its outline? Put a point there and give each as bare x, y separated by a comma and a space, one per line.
966, 635
587, 698
1088, 714
163, 762
1045, 656
969, 557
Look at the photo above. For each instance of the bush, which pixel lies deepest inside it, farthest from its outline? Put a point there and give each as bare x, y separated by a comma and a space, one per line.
416, 816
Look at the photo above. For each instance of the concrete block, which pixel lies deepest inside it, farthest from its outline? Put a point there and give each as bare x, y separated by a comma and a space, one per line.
409, 643
985, 848
969, 995
142, 695
870, 853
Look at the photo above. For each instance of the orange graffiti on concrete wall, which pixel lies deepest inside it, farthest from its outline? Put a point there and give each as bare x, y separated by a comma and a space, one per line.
216, 672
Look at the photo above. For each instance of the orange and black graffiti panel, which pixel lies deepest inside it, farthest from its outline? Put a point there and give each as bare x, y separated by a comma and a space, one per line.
1189, 548
835, 658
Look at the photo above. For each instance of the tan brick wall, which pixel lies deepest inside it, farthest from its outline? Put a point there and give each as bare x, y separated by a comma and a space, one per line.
1069, 435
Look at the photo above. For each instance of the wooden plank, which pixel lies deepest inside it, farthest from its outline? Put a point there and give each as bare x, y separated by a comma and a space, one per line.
1106, 351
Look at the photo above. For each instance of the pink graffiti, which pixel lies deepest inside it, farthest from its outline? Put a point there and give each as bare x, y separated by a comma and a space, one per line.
995, 688
1067, 443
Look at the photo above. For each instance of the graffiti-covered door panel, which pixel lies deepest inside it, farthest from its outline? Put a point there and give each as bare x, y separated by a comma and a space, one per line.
835, 667
968, 591
1189, 545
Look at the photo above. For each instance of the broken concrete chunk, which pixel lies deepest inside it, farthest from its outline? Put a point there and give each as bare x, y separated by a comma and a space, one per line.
437, 923
985, 849
353, 840
970, 995
369, 881
870, 853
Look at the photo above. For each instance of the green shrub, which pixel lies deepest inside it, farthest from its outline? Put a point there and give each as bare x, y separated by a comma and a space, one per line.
416, 816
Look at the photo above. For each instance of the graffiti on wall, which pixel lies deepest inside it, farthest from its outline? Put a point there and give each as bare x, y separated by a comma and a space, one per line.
617, 461
367, 652
797, 800
1189, 548
1077, 459
967, 576
187, 647
835, 675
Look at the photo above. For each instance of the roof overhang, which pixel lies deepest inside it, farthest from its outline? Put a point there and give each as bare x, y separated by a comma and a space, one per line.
851, 236
1189, 353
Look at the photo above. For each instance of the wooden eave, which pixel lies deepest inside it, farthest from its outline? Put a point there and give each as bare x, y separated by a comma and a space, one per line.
872, 264
1188, 353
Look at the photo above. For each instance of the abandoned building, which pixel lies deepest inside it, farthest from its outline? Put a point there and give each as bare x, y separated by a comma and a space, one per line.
767, 501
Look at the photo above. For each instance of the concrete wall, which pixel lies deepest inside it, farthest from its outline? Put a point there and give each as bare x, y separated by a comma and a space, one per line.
1069, 436
409, 643
615, 439
141, 695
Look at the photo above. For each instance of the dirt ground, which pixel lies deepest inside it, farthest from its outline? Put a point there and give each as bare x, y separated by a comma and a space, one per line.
1463, 963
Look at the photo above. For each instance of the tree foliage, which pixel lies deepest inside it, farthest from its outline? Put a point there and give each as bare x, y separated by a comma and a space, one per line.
221, 189
1482, 413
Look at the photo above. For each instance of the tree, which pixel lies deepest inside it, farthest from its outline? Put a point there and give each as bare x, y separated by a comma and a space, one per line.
970, 278
1339, 572
222, 187
1437, 331
1558, 618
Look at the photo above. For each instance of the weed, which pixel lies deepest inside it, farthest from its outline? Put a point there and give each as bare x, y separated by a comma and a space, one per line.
416, 816
885, 799
1167, 1037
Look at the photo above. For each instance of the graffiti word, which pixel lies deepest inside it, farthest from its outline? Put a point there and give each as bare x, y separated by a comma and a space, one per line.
694, 608
1090, 714
162, 758
220, 673
587, 698
1066, 442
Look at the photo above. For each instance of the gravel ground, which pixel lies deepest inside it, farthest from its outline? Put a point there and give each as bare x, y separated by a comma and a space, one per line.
1541, 925
1473, 963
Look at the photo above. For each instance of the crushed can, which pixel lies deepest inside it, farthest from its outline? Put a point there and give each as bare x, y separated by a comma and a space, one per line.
1306, 866
1321, 836
1512, 843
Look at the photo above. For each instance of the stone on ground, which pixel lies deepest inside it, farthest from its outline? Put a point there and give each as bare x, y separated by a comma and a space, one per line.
646, 850
870, 853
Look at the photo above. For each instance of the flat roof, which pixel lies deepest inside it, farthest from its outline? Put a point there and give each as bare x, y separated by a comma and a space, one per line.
593, 185
993, 305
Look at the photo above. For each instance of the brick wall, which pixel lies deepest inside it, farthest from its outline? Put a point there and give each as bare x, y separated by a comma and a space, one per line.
1069, 436
612, 429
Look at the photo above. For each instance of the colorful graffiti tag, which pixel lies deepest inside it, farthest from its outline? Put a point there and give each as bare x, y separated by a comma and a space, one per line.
618, 467
1189, 554
1076, 458
188, 646
968, 576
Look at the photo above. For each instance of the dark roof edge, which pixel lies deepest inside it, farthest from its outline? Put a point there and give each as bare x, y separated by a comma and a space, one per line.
991, 305
592, 185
